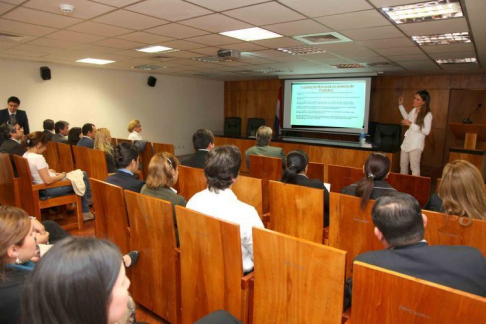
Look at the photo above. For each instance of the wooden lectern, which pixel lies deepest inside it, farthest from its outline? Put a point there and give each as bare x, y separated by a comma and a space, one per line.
471, 134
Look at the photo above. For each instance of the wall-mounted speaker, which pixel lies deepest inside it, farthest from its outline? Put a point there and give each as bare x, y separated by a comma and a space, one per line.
45, 73
151, 81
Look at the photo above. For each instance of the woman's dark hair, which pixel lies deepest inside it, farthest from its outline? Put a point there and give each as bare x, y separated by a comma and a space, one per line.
297, 161
124, 154
72, 283
222, 166
376, 167
73, 135
425, 109
33, 139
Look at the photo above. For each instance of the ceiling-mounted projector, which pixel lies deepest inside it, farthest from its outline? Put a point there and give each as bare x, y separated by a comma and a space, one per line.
229, 53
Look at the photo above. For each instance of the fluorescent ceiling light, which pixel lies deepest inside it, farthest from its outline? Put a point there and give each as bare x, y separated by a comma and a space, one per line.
154, 49
348, 66
212, 59
443, 39
148, 67
457, 61
302, 50
251, 34
95, 61
424, 11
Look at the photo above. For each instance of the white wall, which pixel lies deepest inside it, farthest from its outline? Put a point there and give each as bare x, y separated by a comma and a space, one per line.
170, 112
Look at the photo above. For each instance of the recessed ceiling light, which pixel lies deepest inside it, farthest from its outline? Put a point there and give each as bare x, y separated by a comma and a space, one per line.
424, 11
95, 61
267, 70
154, 49
457, 61
302, 50
443, 39
148, 67
251, 34
322, 38
348, 66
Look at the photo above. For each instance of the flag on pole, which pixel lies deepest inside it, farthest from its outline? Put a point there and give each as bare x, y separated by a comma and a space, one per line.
278, 114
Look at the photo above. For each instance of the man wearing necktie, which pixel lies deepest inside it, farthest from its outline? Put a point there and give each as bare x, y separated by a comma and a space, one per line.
13, 115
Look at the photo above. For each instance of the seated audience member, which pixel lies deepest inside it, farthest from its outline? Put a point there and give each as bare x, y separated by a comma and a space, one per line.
103, 143
126, 160
218, 200
89, 135
373, 184
134, 128
35, 143
297, 163
12, 135
461, 192
262, 147
74, 136
400, 228
203, 141
62, 131
48, 126
80, 280
13, 115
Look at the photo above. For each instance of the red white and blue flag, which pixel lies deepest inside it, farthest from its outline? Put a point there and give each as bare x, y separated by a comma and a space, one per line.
278, 114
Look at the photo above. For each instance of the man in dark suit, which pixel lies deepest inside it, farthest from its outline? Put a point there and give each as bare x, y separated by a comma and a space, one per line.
400, 227
203, 141
62, 131
89, 134
262, 147
12, 134
13, 115
48, 126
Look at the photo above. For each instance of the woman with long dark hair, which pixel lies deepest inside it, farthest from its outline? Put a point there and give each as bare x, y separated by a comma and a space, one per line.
126, 160
373, 184
419, 121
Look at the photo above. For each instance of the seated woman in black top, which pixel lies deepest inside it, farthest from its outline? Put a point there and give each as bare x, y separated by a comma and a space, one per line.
373, 184
461, 192
126, 159
74, 135
297, 162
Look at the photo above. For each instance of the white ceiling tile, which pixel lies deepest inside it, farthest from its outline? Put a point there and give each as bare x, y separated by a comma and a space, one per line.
264, 14
268, 53
369, 60
353, 20
218, 5
83, 9
182, 45
316, 57
279, 42
342, 47
215, 23
317, 8
37, 17
13, 51
420, 66
372, 33
128, 19
435, 27
119, 43
461, 67
246, 47
5, 45
400, 51
143, 37
390, 3
299, 27
171, 10
452, 55
56, 43
70, 36
96, 48
468, 47
133, 54
213, 40
90, 27
36, 48
177, 31
388, 43
259, 60
24, 29
117, 3
15, 2
288, 58
4, 7
207, 50
408, 58
184, 54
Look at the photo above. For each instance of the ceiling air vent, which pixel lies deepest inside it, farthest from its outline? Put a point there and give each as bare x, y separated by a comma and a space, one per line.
380, 64
148, 67
11, 37
347, 66
323, 38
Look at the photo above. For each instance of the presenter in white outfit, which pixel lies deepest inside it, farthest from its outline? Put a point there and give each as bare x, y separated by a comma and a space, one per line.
419, 121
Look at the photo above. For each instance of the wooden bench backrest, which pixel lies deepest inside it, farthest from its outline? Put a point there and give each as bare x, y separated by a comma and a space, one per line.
211, 265
342, 176
123, 140
285, 268
163, 147
155, 279
297, 211
25, 185
7, 186
383, 296
52, 156
350, 228
249, 191
265, 168
111, 221
191, 181
146, 154
97, 165
81, 158
315, 171
443, 231
66, 161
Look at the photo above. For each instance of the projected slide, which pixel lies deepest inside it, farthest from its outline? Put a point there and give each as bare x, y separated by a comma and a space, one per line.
336, 103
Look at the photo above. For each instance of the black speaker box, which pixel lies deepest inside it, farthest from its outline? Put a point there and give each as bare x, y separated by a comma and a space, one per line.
45, 73
151, 81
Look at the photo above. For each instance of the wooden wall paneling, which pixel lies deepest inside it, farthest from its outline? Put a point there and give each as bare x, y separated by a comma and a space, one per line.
428, 82
390, 82
242, 144
474, 81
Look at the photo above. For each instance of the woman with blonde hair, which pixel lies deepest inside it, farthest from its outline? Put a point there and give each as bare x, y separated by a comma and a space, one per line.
461, 192
103, 143
135, 128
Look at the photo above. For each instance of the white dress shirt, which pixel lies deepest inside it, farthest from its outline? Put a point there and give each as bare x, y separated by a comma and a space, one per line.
415, 136
226, 206
134, 136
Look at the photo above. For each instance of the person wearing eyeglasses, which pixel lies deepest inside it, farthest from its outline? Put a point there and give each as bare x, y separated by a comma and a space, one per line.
135, 128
